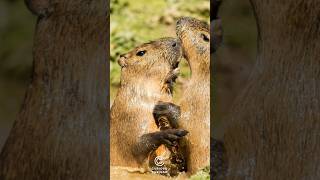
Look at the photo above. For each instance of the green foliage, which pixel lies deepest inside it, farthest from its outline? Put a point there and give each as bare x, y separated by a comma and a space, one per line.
16, 33
203, 174
115, 71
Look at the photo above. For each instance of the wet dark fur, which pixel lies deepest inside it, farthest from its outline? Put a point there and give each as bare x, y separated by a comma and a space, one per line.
166, 116
169, 111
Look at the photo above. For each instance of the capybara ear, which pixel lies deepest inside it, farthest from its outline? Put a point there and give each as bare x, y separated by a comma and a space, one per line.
122, 61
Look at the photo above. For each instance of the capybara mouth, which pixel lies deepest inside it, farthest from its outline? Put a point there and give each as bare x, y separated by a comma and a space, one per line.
171, 79
173, 75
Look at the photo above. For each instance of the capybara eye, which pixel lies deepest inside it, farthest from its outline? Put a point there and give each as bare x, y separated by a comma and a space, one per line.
141, 53
205, 38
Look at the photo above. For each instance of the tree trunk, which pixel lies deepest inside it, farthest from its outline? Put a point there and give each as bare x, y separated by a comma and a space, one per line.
61, 130
273, 131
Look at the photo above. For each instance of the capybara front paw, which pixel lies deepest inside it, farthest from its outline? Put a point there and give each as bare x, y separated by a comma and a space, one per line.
168, 136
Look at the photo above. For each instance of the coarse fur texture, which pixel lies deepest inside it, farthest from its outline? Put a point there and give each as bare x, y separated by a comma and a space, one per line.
273, 129
144, 73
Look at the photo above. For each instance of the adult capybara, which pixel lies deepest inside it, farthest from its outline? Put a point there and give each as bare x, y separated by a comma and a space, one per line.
144, 82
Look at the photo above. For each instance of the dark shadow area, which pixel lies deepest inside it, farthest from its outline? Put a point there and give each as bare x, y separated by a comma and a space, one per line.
16, 37
235, 58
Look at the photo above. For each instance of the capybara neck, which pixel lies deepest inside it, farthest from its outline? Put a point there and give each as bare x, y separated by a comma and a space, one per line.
144, 90
199, 69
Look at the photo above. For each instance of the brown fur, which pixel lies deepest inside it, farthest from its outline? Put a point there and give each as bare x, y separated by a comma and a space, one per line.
195, 104
273, 129
142, 82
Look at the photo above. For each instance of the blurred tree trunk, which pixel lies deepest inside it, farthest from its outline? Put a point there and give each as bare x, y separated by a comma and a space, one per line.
274, 129
61, 130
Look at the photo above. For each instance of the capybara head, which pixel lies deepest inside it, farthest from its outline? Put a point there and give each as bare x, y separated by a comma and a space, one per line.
195, 37
153, 60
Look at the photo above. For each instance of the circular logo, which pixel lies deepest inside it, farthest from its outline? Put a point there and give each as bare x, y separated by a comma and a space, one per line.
158, 161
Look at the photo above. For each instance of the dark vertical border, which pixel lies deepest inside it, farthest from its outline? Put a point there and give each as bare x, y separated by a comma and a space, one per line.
216, 146
212, 90
108, 91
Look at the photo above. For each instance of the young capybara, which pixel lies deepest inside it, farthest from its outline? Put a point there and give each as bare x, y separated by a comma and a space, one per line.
195, 102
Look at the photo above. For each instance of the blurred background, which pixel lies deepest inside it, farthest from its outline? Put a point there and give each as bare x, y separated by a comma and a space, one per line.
16, 34
132, 23
234, 59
